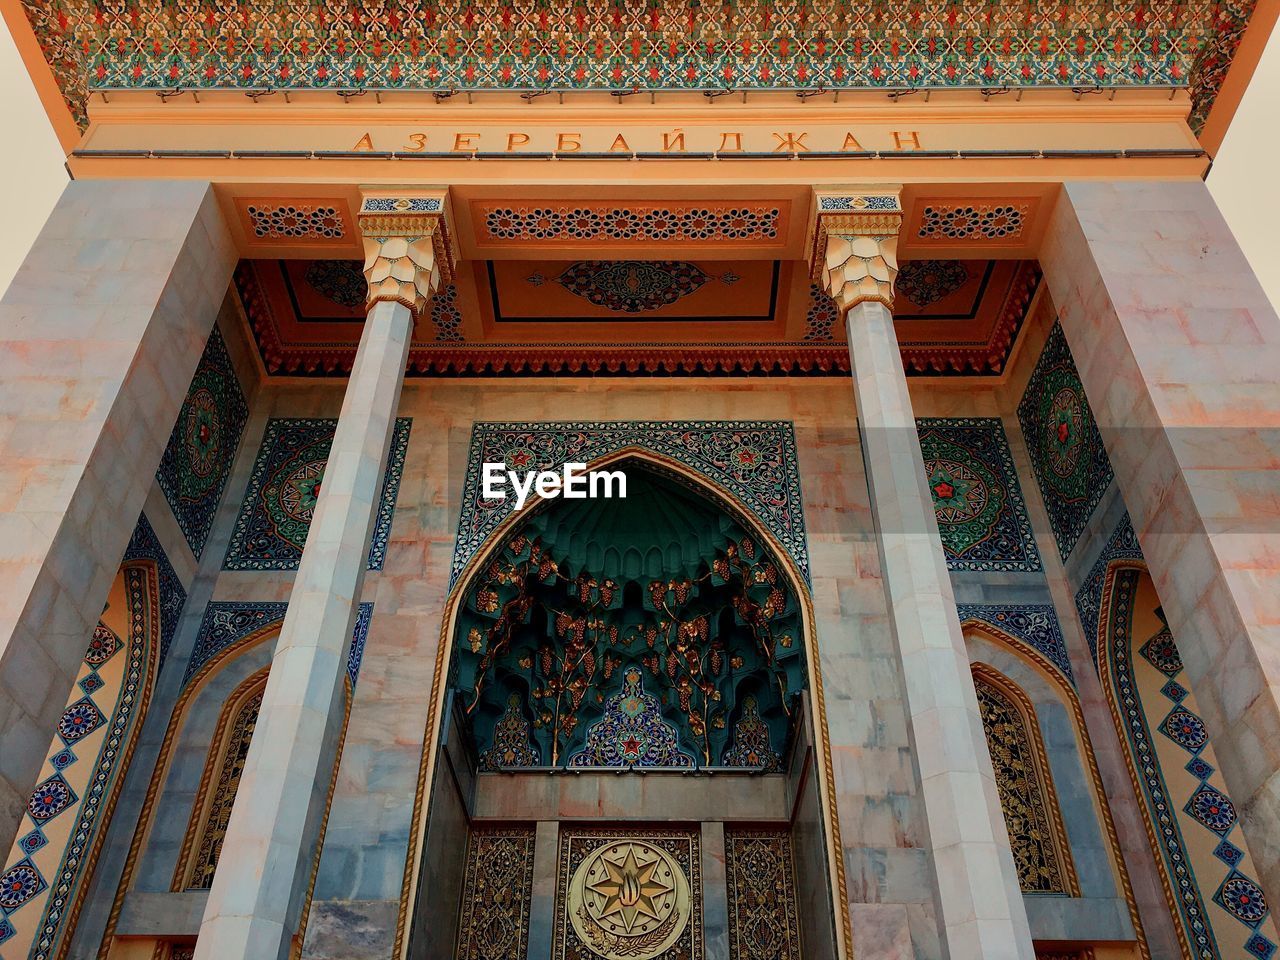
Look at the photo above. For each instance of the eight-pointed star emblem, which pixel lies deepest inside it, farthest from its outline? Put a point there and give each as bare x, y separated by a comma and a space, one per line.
629, 889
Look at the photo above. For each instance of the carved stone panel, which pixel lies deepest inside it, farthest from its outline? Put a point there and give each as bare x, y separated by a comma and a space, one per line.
763, 921
628, 895
496, 894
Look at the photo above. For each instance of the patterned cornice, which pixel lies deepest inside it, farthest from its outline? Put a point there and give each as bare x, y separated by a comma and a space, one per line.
623, 45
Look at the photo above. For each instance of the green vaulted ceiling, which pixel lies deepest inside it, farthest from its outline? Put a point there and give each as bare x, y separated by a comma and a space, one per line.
645, 632
626, 44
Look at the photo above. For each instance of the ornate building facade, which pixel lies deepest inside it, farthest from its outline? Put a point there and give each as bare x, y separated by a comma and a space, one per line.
938, 619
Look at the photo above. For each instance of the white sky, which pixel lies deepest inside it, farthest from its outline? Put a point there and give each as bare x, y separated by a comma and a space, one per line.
1243, 178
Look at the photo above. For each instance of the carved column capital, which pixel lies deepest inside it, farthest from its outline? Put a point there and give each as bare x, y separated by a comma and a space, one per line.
408, 250
855, 251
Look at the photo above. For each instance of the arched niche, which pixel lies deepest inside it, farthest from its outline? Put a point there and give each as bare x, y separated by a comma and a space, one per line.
1099, 905
622, 663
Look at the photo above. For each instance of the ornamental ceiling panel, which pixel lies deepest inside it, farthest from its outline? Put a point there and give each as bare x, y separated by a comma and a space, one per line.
618, 226
626, 45
953, 316
295, 225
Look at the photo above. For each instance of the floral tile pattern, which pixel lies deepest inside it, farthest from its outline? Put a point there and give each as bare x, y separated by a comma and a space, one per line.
197, 460
1035, 624
1067, 456
753, 459
625, 45
271, 529
981, 514
228, 622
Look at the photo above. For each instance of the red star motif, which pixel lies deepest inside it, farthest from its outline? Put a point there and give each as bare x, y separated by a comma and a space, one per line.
943, 490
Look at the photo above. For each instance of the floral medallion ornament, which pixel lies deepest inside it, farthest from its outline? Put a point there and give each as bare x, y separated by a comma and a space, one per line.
285, 486
632, 286
1063, 441
102, 645
981, 517
629, 900
341, 281
960, 494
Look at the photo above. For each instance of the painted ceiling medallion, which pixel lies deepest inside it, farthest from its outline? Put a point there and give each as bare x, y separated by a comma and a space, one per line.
341, 281
927, 281
632, 286
629, 900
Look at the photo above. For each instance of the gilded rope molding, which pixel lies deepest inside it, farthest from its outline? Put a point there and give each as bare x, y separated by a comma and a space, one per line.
426, 769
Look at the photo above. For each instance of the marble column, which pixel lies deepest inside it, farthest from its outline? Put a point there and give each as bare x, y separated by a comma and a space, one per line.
981, 913
1179, 352
100, 334
272, 840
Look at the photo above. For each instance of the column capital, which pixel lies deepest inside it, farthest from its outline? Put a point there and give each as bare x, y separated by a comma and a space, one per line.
408, 247
855, 244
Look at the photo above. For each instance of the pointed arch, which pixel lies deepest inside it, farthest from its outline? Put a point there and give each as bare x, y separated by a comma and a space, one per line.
1066, 691
794, 578
1029, 799
191, 690
219, 783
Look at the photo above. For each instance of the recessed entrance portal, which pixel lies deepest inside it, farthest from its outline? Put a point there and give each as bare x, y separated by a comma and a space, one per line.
628, 760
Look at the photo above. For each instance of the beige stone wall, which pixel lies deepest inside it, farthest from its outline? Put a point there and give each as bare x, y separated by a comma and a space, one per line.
888, 875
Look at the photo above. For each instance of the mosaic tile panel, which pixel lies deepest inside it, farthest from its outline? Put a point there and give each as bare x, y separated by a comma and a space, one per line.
50, 864
632, 733
1122, 545
198, 457
1070, 464
763, 909
752, 743
1035, 624
1145, 721
981, 514
271, 529
145, 545
227, 623
755, 460
496, 893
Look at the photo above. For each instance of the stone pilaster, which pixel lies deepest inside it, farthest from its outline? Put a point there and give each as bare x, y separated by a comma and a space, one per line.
979, 902
275, 832
100, 334
1178, 349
